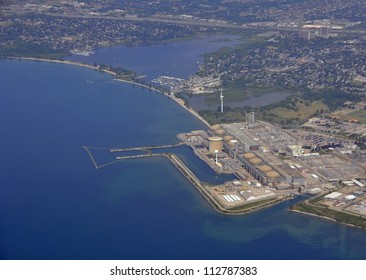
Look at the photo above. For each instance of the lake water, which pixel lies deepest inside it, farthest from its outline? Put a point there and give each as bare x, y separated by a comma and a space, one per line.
178, 59
55, 205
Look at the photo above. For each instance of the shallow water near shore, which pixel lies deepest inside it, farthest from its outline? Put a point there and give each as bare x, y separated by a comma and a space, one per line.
55, 205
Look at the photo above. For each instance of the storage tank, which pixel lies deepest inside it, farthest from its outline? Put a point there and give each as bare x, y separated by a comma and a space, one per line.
255, 161
220, 132
215, 127
228, 138
265, 168
233, 143
272, 175
215, 143
249, 155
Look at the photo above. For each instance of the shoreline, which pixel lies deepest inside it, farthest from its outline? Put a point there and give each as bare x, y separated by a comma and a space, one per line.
325, 218
216, 206
180, 166
200, 186
179, 101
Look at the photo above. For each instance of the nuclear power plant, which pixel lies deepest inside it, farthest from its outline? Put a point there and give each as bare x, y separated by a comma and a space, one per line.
235, 149
267, 164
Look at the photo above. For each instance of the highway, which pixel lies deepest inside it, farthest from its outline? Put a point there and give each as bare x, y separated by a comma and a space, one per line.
194, 22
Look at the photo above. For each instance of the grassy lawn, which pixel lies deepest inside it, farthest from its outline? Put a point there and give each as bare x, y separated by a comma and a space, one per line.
303, 111
276, 115
358, 115
332, 214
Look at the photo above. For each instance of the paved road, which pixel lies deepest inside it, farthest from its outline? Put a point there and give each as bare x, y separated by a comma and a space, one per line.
196, 22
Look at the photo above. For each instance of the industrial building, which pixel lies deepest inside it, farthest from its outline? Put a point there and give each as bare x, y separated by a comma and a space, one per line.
241, 134
243, 143
261, 170
215, 144
296, 150
269, 162
255, 195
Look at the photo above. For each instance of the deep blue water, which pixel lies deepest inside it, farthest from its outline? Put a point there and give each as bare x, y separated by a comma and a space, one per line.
55, 205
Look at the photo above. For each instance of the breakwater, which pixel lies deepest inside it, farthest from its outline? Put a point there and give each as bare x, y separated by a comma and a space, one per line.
147, 148
201, 187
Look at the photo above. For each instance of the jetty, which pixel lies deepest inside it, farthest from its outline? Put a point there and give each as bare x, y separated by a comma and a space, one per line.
146, 151
147, 148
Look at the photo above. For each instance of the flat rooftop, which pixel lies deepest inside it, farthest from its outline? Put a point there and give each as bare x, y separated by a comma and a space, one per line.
239, 132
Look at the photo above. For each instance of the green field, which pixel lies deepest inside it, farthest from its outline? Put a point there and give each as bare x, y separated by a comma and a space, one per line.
358, 115
338, 216
303, 111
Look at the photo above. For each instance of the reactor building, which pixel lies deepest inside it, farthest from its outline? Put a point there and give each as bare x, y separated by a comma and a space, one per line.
215, 144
